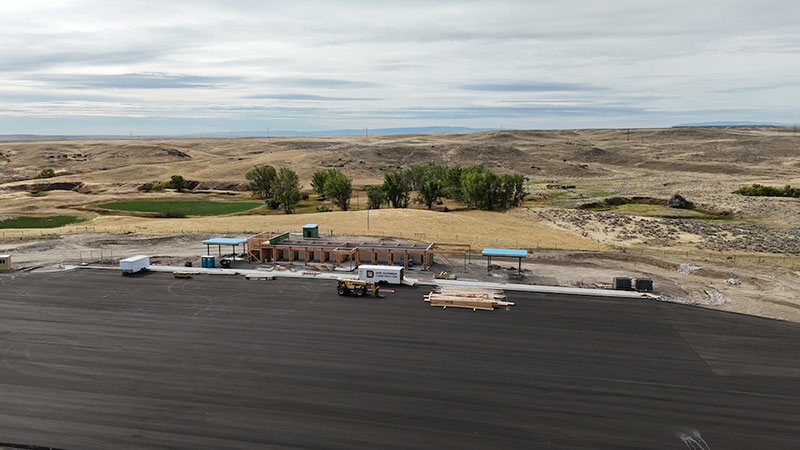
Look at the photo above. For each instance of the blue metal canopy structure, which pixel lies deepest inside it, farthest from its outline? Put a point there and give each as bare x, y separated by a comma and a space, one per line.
220, 241
504, 252
224, 241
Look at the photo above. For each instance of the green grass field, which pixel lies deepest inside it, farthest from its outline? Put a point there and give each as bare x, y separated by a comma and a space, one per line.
188, 207
39, 222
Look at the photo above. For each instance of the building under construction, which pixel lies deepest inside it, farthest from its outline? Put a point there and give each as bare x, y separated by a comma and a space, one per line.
282, 247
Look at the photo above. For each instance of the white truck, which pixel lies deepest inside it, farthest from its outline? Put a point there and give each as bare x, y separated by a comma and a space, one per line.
380, 274
134, 264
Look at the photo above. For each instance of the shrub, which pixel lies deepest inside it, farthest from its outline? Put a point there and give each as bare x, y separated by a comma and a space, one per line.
172, 214
304, 196
161, 185
759, 190
47, 172
677, 201
177, 182
323, 208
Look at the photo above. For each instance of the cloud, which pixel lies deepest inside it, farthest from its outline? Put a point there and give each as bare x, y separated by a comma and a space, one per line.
308, 97
530, 86
323, 83
345, 64
135, 81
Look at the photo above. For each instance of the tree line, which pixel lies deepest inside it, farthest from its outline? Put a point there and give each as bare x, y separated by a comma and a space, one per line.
475, 186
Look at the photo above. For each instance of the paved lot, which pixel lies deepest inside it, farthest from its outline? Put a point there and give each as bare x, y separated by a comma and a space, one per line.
90, 359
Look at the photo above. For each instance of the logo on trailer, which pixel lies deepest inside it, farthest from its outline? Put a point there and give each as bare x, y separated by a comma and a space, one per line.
370, 274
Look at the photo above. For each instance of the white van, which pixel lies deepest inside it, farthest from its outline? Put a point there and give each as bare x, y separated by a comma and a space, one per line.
378, 274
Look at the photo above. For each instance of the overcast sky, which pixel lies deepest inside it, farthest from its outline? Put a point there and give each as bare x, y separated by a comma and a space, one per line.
169, 67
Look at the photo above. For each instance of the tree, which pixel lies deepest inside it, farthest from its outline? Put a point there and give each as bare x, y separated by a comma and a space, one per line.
319, 179
396, 188
339, 189
286, 189
47, 172
177, 182
512, 190
261, 180
429, 192
478, 186
452, 184
415, 175
375, 197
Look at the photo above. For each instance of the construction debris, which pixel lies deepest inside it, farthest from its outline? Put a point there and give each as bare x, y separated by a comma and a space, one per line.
467, 297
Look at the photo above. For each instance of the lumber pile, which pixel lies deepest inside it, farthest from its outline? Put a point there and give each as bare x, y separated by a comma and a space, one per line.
259, 276
468, 297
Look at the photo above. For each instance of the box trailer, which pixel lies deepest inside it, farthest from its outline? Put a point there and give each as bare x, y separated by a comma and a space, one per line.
134, 264
381, 274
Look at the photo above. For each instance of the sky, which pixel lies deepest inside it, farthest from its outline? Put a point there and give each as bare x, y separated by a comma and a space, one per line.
173, 67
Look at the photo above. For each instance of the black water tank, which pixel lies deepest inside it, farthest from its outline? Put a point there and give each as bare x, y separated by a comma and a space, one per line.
622, 283
644, 284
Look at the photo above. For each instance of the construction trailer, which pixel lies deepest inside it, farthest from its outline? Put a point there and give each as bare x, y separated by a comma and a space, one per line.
281, 247
134, 264
378, 274
5, 263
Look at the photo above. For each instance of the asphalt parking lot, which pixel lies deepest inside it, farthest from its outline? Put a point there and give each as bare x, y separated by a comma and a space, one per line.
91, 359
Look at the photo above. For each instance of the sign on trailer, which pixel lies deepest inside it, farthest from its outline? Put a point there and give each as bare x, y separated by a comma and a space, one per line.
388, 274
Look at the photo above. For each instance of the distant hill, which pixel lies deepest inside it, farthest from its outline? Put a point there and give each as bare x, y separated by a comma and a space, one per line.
732, 124
345, 132
259, 133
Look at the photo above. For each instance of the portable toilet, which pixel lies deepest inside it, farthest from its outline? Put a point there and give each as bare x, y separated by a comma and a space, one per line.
310, 230
5, 263
207, 261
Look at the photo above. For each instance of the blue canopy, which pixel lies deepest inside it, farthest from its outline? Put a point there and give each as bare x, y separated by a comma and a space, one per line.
310, 225
504, 252
224, 241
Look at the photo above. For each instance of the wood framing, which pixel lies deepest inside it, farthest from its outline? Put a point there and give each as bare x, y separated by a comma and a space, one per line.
279, 246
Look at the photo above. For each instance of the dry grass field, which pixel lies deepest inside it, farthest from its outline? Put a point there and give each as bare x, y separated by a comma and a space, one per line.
704, 164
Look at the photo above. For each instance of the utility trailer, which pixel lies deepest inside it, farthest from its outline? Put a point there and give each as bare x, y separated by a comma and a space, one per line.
380, 274
134, 264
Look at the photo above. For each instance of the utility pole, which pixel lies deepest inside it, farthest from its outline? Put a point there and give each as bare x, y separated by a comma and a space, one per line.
629, 134
267, 132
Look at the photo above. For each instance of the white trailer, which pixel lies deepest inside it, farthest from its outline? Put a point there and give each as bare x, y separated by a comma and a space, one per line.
381, 274
134, 264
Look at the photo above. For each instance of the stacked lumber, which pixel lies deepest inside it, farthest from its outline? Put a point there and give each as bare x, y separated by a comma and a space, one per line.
468, 297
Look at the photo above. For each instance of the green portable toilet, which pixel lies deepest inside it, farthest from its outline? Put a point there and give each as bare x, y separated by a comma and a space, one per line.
310, 230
